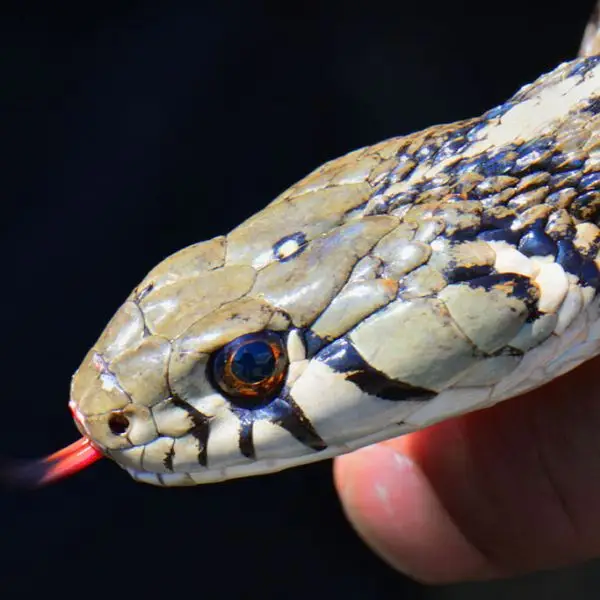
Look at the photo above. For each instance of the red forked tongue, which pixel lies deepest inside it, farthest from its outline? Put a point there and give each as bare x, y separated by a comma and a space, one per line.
61, 464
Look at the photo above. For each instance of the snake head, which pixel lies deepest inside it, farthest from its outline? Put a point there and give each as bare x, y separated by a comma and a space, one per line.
220, 364
392, 288
205, 371
194, 378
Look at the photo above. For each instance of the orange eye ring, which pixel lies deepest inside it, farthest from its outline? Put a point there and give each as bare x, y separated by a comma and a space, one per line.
250, 370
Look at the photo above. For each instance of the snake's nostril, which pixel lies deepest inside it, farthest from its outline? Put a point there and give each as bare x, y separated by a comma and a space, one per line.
118, 423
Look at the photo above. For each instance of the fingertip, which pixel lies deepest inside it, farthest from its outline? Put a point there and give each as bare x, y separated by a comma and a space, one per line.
392, 506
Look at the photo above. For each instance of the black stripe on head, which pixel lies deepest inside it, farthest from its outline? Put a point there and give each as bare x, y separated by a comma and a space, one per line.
168, 459
283, 412
458, 274
313, 342
342, 357
289, 416
246, 438
200, 426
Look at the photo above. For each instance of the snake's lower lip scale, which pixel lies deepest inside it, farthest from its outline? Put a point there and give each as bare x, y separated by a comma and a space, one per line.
400, 285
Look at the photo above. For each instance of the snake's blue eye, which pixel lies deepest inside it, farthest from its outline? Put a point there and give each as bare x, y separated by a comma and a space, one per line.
253, 362
250, 370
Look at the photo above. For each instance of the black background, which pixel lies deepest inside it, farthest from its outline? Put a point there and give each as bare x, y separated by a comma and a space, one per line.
131, 130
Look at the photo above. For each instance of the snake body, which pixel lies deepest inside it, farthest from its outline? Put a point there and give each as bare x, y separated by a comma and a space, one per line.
413, 280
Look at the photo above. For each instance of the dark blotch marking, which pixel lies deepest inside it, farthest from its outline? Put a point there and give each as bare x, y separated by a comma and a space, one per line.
534, 315
489, 221
246, 438
534, 155
568, 257
498, 111
452, 147
590, 252
564, 179
538, 145
431, 184
168, 459
555, 198
313, 342
589, 274
588, 182
516, 286
508, 351
342, 356
463, 168
466, 234
380, 204
283, 412
500, 235
297, 237
586, 207
377, 384
425, 152
200, 426
500, 163
144, 292
454, 274
287, 414
594, 105
402, 160
537, 243
565, 162
560, 232
404, 198
473, 133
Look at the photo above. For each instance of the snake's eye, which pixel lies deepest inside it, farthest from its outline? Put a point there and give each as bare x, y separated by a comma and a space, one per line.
251, 370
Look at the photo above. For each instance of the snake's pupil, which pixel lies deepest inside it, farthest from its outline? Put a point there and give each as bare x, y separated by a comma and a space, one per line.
253, 362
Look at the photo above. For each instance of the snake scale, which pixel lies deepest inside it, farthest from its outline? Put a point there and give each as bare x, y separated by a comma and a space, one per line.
405, 283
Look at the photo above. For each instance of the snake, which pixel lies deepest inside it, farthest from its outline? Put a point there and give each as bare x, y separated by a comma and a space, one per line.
405, 283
